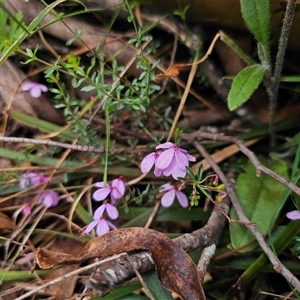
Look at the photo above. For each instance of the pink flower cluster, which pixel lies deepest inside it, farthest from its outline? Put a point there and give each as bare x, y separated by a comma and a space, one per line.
116, 191
48, 198
168, 160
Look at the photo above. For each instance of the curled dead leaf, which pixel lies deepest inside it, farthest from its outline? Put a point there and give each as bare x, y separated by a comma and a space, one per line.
174, 70
175, 269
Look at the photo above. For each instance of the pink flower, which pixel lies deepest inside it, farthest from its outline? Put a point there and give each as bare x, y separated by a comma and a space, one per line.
293, 215
102, 226
116, 190
48, 198
174, 160
172, 192
110, 209
171, 161
35, 89
32, 179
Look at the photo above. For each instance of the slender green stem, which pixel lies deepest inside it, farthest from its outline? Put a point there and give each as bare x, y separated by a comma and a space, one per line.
107, 144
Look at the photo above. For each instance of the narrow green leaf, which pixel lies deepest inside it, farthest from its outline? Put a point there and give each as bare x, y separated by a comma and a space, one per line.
243, 85
256, 14
39, 160
155, 287
280, 243
259, 198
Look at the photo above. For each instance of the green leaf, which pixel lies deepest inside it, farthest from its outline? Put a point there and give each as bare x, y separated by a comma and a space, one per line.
259, 198
256, 14
243, 85
155, 287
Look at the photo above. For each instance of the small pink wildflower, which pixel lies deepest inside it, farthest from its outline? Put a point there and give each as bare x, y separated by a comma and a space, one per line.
173, 192
170, 161
48, 198
32, 179
35, 89
293, 215
116, 190
110, 209
103, 226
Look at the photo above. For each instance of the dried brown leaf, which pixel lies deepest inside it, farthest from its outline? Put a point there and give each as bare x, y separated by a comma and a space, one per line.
6, 223
174, 70
175, 269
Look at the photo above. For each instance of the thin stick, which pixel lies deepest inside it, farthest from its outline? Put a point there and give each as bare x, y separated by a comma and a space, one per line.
81, 148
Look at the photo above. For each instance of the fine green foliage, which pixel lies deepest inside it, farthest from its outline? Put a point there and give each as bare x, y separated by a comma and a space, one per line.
256, 14
258, 197
9, 34
244, 84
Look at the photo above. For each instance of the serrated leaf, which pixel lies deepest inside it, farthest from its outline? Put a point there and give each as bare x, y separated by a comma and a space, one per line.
243, 85
256, 14
259, 198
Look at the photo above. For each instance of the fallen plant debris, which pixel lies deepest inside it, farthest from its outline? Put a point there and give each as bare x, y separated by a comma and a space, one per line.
175, 269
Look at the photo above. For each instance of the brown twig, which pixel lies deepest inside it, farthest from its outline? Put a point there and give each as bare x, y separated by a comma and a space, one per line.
81, 148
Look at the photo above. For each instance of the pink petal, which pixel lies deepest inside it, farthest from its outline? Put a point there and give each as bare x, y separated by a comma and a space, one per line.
100, 184
165, 158
166, 145
148, 162
99, 212
157, 172
166, 187
293, 215
35, 92
190, 157
111, 225
90, 227
27, 85
102, 227
174, 170
102, 193
43, 87
177, 172
118, 188
47, 199
26, 210
168, 198
182, 199
181, 159
112, 211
